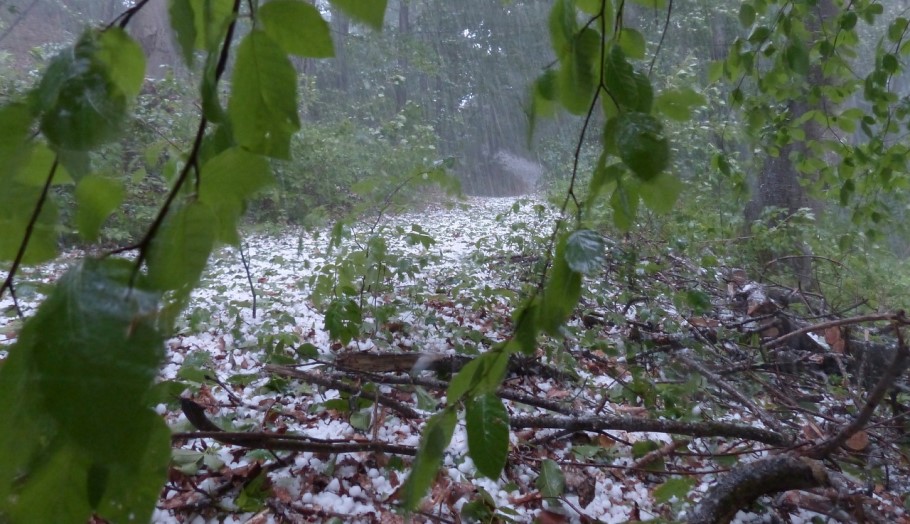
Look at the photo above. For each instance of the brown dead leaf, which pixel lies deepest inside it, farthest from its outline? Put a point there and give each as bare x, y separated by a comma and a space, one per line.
635, 411
260, 518
605, 441
835, 338
558, 393
180, 500
858, 442
282, 494
812, 432
704, 322
524, 499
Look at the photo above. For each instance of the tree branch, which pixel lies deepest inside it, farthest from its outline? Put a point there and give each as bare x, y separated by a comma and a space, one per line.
635, 424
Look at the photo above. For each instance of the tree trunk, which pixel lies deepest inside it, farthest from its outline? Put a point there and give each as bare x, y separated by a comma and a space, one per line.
404, 30
779, 181
151, 27
341, 29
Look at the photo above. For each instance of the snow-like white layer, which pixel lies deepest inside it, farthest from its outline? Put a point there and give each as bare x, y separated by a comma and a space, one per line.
447, 304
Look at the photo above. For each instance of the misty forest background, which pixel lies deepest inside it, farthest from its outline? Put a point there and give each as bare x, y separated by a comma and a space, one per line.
724, 185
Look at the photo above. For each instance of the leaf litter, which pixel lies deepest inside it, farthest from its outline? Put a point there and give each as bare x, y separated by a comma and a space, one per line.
625, 354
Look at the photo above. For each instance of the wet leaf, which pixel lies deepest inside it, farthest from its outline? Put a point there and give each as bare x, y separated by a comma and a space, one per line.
488, 434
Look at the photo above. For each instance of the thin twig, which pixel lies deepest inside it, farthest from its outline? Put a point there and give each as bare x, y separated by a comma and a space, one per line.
330, 382
704, 429
12, 294
124, 18
249, 277
663, 35
29, 229
725, 386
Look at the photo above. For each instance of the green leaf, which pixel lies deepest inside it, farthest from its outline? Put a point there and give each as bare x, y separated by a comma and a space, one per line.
699, 301
38, 167
94, 352
641, 144
263, 103
678, 487
577, 79
15, 123
624, 203
211, 100
343, 320
562, 25
369, 12
45, 483
297, 27
890, 63
124, 60
527, 326
592, 7
480, 376
17, 205
661, 193
759, 35
436, 437
254, 493
715, 71
83, 106
133, 488
184, 26
487, 423
626, 86
543, 96
848, 20
797, 57
897, 28
181, 249
746, 15
846, 191
561, 293
633, 43
678, 104
211, 19
551, 482
585, 251
228, 181
96, 198
604, 175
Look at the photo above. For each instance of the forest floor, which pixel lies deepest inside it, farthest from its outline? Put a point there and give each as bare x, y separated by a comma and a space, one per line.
656, 341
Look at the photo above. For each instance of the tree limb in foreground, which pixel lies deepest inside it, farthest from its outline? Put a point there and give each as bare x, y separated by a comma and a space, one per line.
748, 481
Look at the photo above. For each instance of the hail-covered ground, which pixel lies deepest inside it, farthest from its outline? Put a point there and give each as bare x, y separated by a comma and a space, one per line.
447, 286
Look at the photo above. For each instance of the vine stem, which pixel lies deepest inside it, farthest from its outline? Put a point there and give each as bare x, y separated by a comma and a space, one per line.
29, 230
